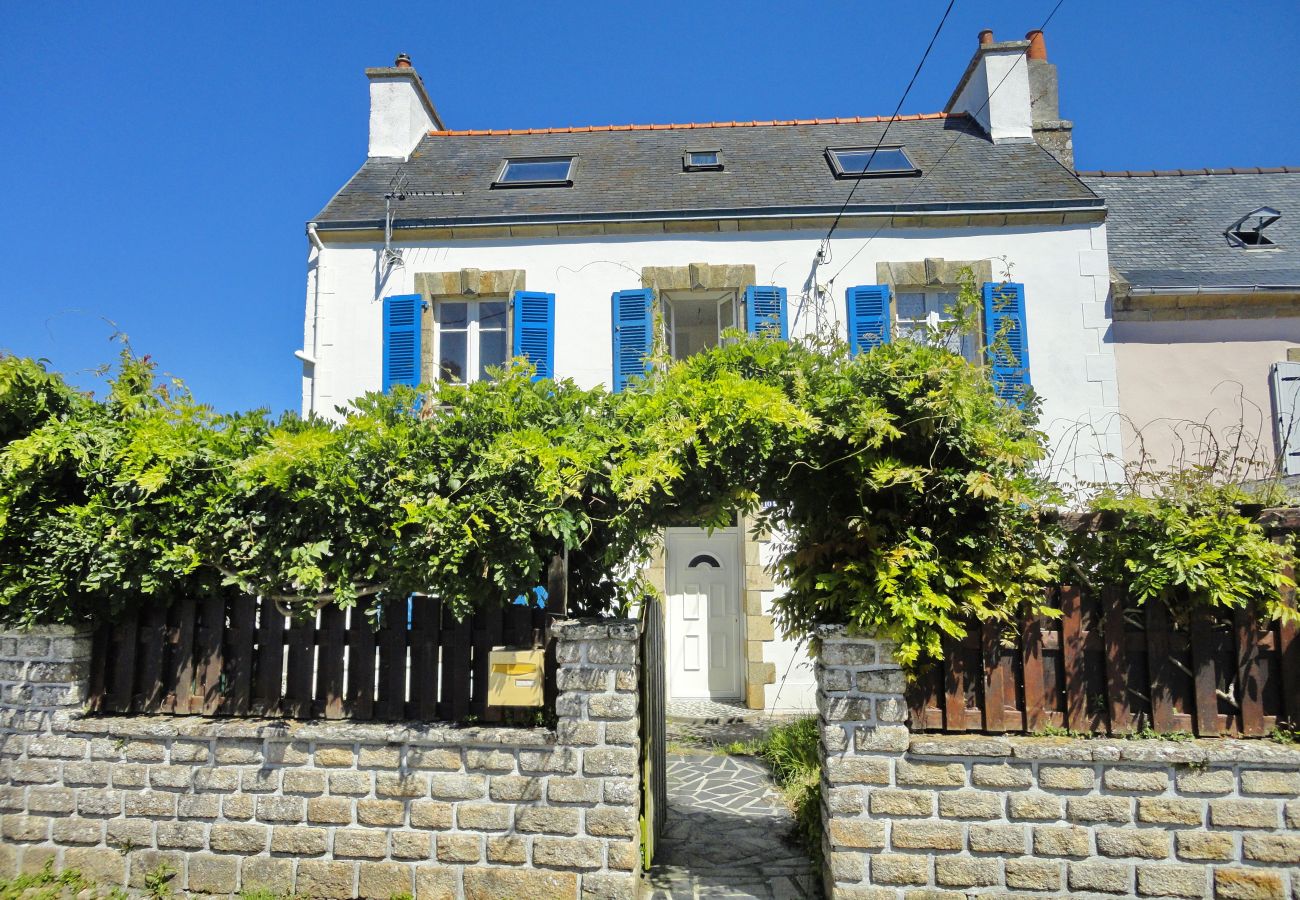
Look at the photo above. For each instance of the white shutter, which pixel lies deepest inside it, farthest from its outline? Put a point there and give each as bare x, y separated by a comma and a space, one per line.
1286, 415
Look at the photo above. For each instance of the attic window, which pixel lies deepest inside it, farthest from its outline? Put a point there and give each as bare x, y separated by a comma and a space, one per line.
1248, 231
536, 171
702, 161
870, 162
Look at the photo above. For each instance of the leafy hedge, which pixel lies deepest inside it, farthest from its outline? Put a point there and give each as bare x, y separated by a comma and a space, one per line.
904, 495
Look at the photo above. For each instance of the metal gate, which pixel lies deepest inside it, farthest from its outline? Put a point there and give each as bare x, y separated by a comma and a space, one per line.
654, 775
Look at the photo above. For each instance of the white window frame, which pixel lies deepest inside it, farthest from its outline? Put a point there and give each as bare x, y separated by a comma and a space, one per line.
729, 295
472, 333
973, 343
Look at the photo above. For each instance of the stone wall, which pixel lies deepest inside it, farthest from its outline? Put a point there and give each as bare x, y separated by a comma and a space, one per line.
947, 816
326, 809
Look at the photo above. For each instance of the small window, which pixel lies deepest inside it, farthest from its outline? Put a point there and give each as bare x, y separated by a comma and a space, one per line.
1248, 231
472, 336
920, 314
702, 161
870, 162
704, 559
539, 171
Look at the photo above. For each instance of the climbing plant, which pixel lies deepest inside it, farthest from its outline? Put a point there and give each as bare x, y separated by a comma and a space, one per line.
904, 497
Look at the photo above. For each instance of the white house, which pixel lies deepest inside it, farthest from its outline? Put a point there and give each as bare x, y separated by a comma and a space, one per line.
449, 251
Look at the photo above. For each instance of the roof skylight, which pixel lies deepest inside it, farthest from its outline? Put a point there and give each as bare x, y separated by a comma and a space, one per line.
870, 162
1248, 231
536, 171
702, 160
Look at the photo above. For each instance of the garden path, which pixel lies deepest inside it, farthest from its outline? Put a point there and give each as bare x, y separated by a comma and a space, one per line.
727, 835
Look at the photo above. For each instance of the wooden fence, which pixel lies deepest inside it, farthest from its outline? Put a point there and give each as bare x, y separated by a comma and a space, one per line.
1108, 666
239, 656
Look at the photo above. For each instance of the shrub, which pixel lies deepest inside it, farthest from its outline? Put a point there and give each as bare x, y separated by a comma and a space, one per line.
792, 752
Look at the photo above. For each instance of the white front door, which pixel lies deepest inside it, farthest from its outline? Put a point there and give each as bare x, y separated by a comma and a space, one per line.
704, 628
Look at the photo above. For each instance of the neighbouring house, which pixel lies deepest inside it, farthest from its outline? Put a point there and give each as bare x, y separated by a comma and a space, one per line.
450, 251
1205, 268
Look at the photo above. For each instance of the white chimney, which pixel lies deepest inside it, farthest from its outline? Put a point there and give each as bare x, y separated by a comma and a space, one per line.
400, 109
995, 91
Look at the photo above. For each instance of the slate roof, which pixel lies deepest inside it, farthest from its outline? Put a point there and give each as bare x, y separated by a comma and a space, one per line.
1167, 229
771, 168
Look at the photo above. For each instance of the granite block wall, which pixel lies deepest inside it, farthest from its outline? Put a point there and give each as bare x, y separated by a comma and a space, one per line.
943, 817
325, 809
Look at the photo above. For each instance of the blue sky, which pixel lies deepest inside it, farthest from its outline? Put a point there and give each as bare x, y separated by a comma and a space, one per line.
161, 159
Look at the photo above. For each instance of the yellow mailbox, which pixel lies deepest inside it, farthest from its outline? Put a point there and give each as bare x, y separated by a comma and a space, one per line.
515, 677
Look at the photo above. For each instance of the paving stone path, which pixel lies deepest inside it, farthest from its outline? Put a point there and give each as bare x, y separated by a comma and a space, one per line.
727, 835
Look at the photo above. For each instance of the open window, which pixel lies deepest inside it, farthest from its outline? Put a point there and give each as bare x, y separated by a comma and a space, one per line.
695, 320
470, 336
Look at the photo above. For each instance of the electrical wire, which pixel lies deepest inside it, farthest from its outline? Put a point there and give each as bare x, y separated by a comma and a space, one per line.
824, 252
931, 170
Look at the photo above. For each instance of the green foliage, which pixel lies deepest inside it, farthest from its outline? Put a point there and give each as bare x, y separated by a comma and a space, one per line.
792, 752
45, 884
158, 881
1182, 539
903, 497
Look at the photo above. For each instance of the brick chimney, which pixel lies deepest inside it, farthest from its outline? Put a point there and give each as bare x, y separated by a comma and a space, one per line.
1010, 89
400, 109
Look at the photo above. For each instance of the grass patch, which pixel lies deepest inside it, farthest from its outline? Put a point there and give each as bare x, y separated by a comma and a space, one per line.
45, 884
792, 752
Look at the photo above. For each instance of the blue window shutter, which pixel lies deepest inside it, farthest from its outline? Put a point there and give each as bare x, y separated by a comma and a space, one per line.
869, 315
534, 331
765, 310
402, 340
1006, 341
633, 316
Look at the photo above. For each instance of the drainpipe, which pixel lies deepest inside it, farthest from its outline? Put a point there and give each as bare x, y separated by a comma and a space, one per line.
303, 355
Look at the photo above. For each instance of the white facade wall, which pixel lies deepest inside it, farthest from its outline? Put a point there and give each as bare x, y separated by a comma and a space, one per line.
1063, 268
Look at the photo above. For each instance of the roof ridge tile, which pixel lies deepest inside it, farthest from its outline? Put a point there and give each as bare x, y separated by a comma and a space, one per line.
583, 129
1174, 173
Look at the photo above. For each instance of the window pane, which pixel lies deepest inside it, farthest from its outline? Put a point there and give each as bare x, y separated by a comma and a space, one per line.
860, 160
911, 306
491, 350
944, 305
453, 315
491, 314
451, 355
522, 171
703, 157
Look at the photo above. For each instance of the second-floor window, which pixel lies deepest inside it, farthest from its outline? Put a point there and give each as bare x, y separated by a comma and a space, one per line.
471, 336
916, 312
695, 320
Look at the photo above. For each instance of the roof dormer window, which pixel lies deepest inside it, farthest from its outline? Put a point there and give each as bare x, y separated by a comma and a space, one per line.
1248, 231
870, 162
536, 171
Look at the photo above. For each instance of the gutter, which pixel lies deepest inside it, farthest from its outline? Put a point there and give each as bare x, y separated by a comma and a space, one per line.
1212, 290
786, 212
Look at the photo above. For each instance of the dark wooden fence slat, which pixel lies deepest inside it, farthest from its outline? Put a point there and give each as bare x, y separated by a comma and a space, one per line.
149, 662
491, 621
301, 643
359, 700
1076, 688
542, 630
996, 680
330, 646
180, 640
123, 686
1288, 651
392, 660
456, 640
1250, 671
1032, 666
210, 640
1159, 667
954, 685
1205, 700
1117, 663
426, 635
99, 654
270, 659
241, 636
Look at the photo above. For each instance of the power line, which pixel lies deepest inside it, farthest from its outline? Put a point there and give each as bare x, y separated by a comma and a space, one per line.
932, 169
824, 252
